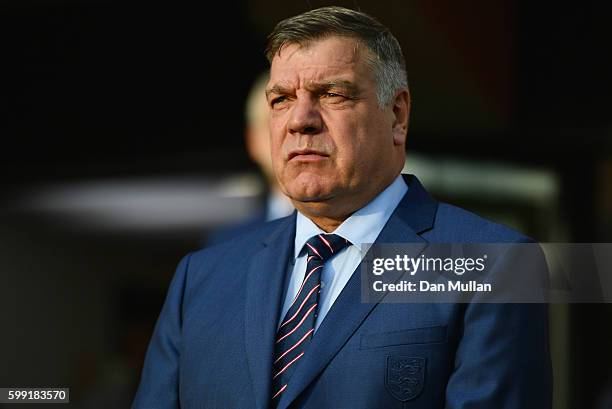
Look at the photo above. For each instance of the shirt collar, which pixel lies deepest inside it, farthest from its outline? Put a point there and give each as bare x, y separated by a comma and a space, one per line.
363, 226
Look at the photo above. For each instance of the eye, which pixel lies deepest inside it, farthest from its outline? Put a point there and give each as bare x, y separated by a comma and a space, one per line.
334, 97
278, 100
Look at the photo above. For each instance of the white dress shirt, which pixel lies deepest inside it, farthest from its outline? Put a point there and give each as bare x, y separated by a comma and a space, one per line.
361, 228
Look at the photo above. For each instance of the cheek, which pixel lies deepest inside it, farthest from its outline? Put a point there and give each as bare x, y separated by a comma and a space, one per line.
276, 138
351, 142
362, 152
277, 158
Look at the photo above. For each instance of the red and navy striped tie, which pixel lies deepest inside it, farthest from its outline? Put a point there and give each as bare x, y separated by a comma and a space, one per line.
297, 328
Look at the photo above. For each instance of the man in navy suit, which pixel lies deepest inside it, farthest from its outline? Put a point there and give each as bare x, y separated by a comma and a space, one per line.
274, 318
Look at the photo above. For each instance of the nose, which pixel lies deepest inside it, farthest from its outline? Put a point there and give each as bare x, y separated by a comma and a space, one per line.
305, 117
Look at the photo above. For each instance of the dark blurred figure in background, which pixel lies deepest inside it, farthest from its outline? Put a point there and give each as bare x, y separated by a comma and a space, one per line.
257, 140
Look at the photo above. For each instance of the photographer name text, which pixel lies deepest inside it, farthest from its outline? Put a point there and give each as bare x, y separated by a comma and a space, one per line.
426, 286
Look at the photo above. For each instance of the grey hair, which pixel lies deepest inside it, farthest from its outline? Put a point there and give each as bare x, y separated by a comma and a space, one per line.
385, 54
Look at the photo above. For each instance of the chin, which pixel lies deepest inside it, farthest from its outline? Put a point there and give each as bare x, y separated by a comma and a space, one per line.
308, 196
309, 193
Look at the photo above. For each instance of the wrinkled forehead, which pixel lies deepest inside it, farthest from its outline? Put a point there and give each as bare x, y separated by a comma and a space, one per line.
351, 43
296, 64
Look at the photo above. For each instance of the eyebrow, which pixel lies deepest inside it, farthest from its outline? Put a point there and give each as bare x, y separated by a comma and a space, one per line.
317, 87
320, 87
277, 89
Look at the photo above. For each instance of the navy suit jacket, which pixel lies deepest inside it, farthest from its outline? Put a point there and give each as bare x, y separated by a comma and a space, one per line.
213, 343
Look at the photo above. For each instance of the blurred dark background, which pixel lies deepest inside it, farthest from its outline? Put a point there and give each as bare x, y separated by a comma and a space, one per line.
121, 128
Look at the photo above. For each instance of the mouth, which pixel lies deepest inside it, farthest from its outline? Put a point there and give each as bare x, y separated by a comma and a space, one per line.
307, 155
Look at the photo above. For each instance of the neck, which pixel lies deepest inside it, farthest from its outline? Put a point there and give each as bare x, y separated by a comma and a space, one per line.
328, 225
329, 214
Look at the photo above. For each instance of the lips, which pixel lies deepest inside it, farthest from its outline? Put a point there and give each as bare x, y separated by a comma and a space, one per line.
306, 154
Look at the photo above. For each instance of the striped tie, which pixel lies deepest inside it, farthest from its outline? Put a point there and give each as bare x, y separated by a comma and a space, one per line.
297, 328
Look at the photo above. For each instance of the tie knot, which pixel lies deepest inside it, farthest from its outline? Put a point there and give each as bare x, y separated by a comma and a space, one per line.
325, 246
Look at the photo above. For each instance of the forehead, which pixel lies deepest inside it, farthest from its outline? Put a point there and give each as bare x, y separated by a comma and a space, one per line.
296, 65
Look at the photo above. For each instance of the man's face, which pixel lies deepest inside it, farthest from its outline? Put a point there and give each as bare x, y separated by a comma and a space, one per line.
331, 142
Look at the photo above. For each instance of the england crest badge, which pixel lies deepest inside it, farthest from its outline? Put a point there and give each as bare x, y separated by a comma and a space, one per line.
405, 377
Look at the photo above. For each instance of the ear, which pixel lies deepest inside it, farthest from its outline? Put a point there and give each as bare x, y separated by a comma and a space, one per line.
401, 116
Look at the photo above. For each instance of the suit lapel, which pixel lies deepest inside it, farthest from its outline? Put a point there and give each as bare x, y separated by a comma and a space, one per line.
414, 214
264, 292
